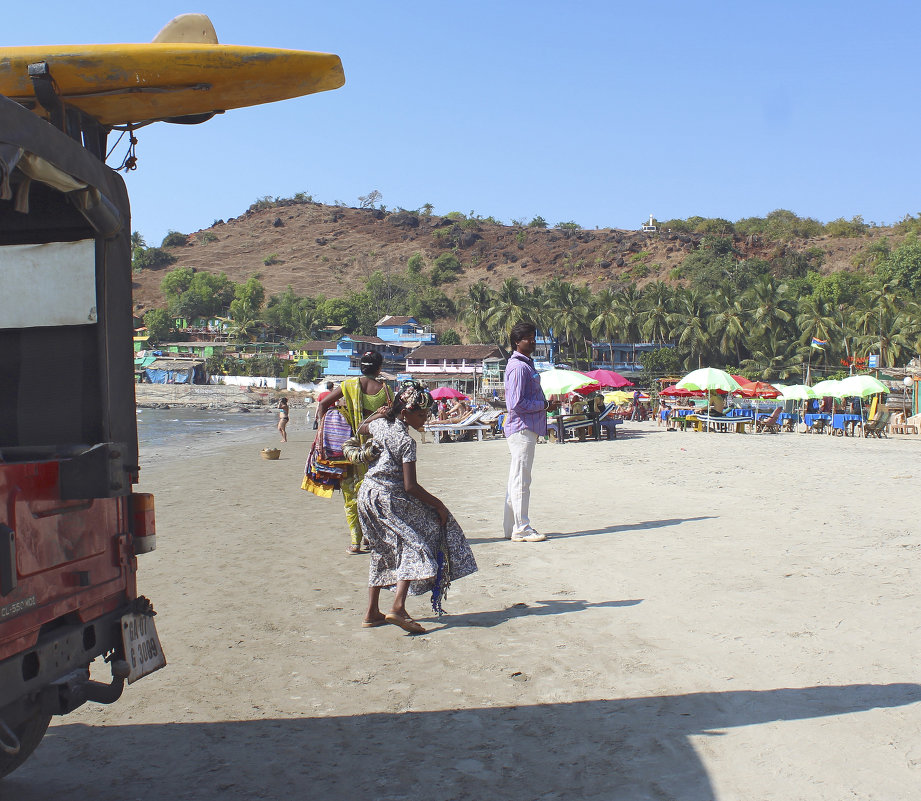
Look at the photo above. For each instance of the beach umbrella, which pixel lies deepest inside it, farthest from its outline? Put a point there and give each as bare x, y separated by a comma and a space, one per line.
758, 389
860, 386
679, 392
562, 382
797, 392
618, 396
830, 388
709, 379
608, 378
443, 393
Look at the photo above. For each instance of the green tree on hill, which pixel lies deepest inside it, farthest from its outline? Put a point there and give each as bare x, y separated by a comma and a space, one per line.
903, 265
159, 324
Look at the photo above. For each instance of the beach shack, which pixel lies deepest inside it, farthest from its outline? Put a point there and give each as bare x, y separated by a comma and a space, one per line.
461, 367
175, 371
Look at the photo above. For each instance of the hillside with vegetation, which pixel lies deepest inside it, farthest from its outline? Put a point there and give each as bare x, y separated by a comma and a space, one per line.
750, 294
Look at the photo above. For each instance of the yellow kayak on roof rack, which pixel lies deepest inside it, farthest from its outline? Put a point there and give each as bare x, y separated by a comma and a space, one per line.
183, 73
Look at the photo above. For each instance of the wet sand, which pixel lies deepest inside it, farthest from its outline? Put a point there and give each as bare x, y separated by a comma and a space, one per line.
714, 617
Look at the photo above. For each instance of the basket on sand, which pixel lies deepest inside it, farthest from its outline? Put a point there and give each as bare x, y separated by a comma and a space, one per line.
270, 453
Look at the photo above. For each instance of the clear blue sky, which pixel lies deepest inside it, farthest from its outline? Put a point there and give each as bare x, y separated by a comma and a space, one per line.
597, 112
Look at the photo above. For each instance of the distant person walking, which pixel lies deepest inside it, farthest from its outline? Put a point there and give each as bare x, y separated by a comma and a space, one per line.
525, 422
361, 396
283, 415
323, 394
635, 412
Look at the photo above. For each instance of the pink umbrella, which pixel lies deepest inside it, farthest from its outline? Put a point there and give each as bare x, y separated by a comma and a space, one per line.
676, 392
608, 378
442, 393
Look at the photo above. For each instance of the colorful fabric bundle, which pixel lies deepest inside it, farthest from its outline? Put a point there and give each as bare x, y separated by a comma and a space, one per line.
336, 430
321, 478
326, 464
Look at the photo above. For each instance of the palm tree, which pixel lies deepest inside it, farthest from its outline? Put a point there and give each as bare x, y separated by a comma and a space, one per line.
877, 321
688, 325
243, 329
509, 306
777, 359
727, 325
656, 308
604, 319
769, 309
571, 316
816, 319
476, 307
628, 309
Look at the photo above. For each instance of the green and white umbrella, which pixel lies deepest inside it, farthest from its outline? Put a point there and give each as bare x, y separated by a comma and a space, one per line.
797, 392
860, 386
562, 382
828, 389
708, 379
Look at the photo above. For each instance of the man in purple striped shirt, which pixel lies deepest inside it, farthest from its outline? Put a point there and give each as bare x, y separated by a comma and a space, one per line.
525, 422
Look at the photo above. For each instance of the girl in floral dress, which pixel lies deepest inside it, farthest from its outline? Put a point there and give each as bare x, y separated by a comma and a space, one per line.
416, 544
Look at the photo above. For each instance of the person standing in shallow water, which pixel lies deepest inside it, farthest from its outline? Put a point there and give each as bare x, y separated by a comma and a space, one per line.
416, 544
525, 422
361, 396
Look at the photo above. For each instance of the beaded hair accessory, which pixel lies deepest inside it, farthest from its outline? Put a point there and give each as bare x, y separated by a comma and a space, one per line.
415, 396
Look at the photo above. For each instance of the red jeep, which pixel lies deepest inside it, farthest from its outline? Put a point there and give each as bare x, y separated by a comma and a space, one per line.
70, 526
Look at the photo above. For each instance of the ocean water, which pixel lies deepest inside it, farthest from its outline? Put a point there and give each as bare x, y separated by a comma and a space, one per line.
164, 428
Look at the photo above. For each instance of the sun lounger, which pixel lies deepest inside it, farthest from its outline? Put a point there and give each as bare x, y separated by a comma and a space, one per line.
770, 423
877, 426
714, 422
583, 426
472, 423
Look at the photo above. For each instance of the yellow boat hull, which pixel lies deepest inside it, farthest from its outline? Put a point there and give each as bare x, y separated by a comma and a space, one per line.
134, 83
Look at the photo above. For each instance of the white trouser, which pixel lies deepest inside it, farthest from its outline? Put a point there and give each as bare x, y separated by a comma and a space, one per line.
521, 446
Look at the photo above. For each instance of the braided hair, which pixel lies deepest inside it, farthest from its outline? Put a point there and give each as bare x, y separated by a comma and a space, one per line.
410, 396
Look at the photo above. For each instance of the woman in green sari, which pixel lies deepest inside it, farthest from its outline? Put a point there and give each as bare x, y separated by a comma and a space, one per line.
362, 395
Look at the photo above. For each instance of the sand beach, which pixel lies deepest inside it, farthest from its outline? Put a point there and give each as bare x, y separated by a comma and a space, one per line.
729, 617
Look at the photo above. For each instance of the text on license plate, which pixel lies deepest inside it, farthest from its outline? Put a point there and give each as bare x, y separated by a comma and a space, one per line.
142, 646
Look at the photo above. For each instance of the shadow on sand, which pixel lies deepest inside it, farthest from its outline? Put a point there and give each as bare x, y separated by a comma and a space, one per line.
556, 606
591, 532
626, 749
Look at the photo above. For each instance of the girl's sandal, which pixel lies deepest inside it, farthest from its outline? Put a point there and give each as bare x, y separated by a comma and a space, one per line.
355, 550
405, 623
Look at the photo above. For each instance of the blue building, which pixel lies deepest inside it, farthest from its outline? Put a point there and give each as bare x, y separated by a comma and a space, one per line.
396, 338
623, 357
404, 331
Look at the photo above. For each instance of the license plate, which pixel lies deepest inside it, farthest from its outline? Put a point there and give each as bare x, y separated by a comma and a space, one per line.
142, 646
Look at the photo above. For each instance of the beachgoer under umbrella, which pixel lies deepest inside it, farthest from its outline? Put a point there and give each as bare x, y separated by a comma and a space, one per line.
360, 396
416, 544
